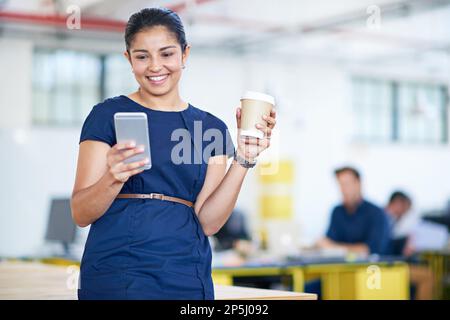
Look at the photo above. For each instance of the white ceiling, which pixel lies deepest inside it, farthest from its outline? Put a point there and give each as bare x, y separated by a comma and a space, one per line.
321, 28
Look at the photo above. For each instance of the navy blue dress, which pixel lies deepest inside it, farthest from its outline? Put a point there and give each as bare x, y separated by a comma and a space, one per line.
148, 248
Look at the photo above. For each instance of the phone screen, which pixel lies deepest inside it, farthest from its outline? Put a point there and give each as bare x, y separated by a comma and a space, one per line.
133, 126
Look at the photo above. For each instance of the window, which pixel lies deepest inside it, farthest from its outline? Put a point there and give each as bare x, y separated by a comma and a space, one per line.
372, 106
118, 76
391, 111
422, 113
67, 84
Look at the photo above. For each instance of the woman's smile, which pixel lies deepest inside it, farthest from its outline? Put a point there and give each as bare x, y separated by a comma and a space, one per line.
157, 80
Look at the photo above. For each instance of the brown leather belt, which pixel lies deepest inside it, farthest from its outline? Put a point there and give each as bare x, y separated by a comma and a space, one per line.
158, 196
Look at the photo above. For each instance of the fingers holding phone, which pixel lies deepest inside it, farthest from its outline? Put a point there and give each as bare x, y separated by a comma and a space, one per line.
119, 168
131, 155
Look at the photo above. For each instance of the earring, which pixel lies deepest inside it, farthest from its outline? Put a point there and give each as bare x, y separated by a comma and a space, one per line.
183, 67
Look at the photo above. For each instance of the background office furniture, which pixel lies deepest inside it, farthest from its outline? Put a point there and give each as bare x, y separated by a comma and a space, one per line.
361, 281
340, 278
439, 262
228, 275
60, 226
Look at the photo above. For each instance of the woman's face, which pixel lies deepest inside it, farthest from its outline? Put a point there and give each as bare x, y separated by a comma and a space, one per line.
157, 60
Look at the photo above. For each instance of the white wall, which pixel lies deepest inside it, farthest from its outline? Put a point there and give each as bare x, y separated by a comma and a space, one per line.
34, 170
15, 97
314, 123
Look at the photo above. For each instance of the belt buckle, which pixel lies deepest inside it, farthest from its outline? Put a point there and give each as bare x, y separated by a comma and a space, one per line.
158, 196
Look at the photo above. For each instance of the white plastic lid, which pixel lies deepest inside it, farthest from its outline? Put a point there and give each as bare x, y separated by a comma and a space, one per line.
258, 96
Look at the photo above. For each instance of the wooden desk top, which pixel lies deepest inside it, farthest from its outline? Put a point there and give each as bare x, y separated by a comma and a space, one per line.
242, 293
37, 281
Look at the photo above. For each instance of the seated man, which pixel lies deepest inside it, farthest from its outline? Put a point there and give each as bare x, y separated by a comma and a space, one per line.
421, 276
397, 208
356, 225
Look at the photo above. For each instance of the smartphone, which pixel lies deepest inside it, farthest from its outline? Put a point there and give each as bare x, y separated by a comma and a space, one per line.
133, 126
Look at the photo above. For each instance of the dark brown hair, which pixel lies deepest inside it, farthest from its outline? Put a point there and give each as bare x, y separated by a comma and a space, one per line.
399, 195
152, 17
352, 170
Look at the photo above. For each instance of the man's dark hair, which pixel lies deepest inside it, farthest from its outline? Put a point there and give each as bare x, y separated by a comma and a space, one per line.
352, 170
399, 195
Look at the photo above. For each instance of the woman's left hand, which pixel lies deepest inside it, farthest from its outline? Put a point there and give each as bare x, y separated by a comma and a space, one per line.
249, 147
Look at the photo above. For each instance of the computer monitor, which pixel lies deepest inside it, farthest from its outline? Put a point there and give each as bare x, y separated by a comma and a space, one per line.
60, 224
283, 238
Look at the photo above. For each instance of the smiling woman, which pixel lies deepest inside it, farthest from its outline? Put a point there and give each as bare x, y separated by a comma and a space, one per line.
157, 69
149, 229
157, 51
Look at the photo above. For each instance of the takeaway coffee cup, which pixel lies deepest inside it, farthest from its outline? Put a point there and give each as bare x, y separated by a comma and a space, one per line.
253, 106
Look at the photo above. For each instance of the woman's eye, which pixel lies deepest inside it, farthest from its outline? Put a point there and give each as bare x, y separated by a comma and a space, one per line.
168, 54
141, 57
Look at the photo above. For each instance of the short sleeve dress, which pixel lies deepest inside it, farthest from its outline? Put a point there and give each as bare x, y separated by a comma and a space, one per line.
148, 248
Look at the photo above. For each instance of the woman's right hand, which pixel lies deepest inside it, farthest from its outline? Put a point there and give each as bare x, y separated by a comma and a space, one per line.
119, 170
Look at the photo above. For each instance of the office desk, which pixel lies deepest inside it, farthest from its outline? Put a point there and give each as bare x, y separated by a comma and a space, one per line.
362, 280
241, 293
439, 262
37, 281
340, 278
